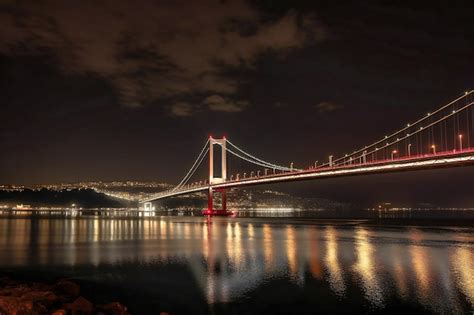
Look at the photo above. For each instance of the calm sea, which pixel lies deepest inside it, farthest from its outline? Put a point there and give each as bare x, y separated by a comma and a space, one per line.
191, 265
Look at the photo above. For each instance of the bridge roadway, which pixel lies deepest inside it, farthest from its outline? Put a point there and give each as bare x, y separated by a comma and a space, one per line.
427, 161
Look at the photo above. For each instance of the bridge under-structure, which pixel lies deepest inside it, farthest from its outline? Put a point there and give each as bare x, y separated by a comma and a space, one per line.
441, 139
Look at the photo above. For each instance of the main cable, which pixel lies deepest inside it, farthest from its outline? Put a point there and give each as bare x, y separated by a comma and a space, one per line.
192, 173
193, 168
421, 129
409, 126
264, 164
271, 165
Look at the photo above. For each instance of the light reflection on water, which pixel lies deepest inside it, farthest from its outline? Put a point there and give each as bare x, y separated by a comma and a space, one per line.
365, 267
229, 258
335, 278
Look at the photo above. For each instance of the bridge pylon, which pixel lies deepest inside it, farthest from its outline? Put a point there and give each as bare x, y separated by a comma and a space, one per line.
222, 143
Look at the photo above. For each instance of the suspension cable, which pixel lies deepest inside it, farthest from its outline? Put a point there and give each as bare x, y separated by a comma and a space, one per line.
192, 173
454, 112
258, 163
193, 168
263, 164
257, 159
411, 134
409, 126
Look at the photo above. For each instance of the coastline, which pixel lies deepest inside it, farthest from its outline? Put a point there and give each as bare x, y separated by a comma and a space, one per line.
58, 298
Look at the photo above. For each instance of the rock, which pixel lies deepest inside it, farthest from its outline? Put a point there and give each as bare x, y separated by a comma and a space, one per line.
28, 298
115, 308
4, 281
46, 298
19, 290
15, 305
41, 287
68, 289
80, 306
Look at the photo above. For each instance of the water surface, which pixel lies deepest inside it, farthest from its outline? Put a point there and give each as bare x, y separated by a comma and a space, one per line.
248, 265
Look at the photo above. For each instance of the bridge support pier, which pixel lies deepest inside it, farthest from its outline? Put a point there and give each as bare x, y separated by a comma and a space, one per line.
217, 179
210, 203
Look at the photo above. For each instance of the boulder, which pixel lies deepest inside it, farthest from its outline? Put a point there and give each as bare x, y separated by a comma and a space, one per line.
41, 287
68, 289
80, 306
4, 281
46, 298
29, 298
18, 290
115, 308
17, 306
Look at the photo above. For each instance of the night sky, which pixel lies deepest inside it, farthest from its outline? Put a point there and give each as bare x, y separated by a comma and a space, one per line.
117, 90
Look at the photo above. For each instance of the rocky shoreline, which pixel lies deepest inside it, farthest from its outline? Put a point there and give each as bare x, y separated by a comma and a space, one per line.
60, 298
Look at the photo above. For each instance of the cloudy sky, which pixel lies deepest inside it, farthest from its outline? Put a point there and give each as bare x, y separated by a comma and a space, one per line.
105, 90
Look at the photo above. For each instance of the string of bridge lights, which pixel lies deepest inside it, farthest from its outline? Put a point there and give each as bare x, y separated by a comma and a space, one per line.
407, 135
354, 156
408, 126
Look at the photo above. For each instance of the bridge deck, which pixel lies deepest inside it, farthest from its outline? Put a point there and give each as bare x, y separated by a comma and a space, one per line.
428, 161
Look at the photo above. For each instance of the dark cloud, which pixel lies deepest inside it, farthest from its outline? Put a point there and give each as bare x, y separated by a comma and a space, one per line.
215, 103
221, 104
326, 107
181, 109
157, 51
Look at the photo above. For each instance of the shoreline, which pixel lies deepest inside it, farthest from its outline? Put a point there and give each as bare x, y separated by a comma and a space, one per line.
61, 297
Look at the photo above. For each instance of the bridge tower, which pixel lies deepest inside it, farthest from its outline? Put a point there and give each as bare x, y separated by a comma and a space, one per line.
222, 142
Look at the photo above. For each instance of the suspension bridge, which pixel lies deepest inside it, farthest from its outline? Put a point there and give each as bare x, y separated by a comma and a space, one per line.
442, 138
